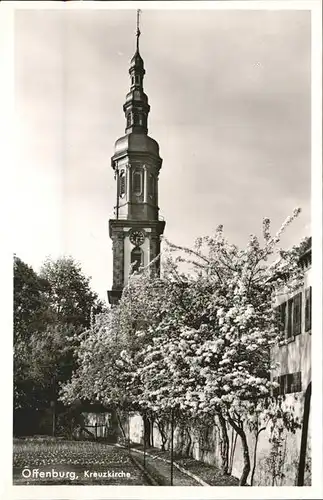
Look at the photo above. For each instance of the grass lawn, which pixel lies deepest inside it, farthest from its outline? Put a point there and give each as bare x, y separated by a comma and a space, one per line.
72, 462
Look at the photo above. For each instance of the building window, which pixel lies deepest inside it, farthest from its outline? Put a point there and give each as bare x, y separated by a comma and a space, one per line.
308, 309
129, 120
136, 258
288, 383
137, 182
122, 183
297, 314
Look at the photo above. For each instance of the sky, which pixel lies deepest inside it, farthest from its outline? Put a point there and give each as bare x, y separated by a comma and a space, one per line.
230, 96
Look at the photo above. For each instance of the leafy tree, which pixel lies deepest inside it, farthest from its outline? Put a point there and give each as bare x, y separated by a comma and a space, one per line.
31, 314
31, 305
69, 292
51, 310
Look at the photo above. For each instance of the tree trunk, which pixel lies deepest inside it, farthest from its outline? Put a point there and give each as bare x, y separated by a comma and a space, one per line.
246, 458
172, 448
302, 453
53, 404
121, 427
189, 443
162, 434
225, 445
255, 456
233, 449
146, 430
152, 431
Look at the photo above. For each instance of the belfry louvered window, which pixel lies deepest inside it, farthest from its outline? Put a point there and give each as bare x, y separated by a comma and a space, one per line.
151, 185
137, 182
136, 258
122, 183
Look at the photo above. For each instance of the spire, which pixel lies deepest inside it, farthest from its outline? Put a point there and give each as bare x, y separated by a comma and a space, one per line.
136, 61
136, 107
138, 33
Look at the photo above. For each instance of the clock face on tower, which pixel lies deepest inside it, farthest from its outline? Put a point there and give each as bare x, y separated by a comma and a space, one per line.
137, 237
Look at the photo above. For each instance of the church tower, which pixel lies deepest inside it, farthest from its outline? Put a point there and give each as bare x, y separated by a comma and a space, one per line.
136, 229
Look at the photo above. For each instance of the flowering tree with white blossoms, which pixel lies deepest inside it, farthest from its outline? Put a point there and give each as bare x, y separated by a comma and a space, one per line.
107, 354
197, 344
210, 354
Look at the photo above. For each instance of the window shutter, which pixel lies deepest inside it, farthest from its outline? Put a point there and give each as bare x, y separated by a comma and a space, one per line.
297, 314
308, 309
290, 318
280, 312
283, 317
275, 389
297, 382
282, 381
289, 382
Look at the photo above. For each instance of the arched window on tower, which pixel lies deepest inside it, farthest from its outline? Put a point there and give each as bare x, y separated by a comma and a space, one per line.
136, 259
129, 120
137, 182
122, 183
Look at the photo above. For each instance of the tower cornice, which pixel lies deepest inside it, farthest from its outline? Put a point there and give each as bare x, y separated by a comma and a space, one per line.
135, 155
117, 226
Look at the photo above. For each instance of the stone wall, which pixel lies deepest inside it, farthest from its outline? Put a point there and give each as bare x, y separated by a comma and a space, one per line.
276, 463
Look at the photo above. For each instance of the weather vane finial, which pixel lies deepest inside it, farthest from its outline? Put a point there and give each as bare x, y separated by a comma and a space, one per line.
138, 28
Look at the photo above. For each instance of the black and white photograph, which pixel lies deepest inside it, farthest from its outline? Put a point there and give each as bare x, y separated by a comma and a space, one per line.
165, 331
